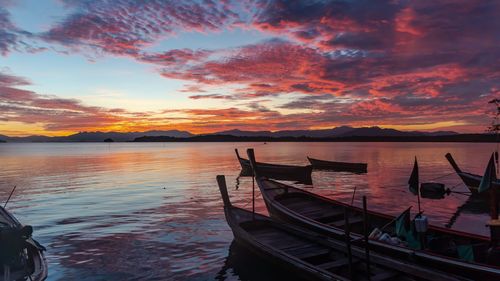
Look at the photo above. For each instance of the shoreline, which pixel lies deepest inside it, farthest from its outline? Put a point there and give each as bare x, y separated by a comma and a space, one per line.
464, 138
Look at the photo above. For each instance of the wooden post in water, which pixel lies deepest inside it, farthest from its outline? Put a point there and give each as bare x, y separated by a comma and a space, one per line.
353, 193
493, 202
253, 197
367, 242
347, 233
494, 223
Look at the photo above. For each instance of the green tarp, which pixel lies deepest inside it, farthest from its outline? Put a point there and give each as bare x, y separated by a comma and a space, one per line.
466, 253
405, 229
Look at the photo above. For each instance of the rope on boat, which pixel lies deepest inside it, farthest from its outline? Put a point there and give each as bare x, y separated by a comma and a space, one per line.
443, 176
432, 179
248, 203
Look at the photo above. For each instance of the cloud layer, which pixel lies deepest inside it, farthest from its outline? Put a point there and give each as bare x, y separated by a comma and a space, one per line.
329, 62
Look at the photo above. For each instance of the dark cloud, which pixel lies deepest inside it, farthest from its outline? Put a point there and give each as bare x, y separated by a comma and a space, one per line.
126, 26
8, 33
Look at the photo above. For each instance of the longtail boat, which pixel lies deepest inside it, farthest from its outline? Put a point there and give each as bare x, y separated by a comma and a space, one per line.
471, 180
301, 174
21, 257
452, 251
311, 256
338, 166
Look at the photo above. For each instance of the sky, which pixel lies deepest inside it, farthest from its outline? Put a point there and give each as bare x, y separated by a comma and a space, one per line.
68, 66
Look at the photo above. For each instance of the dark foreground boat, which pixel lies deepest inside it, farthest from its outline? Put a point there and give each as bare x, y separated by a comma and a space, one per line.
338, 166
456, 252
311, 256
300, 174
21, 257
472, 181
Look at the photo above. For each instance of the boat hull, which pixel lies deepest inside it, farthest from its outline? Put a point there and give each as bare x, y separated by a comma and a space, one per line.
299, 174
35, 258
452, 265
338, 166
472, 181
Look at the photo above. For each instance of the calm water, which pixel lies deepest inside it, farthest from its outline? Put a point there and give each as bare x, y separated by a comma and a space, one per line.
126, 211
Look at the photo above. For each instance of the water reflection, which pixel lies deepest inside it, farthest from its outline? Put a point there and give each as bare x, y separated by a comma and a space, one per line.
127, 211
474, 205
241, 264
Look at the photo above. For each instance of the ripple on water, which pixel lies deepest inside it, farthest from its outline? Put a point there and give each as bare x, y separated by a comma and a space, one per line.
130, 211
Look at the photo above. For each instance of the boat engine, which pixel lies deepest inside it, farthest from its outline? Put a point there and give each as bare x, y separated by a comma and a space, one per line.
13, 244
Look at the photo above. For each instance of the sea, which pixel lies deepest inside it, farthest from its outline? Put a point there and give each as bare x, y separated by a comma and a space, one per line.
152, 211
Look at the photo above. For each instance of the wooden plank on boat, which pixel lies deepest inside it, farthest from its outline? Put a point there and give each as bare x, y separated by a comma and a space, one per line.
309, 253
334, 264
330, 217
384, 275
298, 204
341, 223
306, 249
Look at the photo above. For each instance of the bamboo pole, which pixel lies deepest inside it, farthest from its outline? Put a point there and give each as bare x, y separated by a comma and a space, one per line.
367, 243
348, 240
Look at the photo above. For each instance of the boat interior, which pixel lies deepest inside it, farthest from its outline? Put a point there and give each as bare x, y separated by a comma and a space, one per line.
318, 255
331, 213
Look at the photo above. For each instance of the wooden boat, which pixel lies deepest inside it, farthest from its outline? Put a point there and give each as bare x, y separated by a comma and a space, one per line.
300, 174
470, 180
311, 256
326, 216
21, 256
338, 166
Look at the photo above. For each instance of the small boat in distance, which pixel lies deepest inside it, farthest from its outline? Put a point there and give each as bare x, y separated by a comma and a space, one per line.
472, 181
300, 174
21, 257
338, 166
314, 257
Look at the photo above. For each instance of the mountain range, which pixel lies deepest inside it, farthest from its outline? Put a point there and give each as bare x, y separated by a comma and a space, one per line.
342, 131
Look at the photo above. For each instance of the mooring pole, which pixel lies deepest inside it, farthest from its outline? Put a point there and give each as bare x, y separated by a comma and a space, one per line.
353, 193
253, 197
418, 198
10, 195
367, 244
347, 233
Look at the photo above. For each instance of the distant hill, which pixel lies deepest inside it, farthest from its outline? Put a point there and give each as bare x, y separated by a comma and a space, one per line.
231, 138
342, 131
386, 132
99, 136
288, 133
338, 132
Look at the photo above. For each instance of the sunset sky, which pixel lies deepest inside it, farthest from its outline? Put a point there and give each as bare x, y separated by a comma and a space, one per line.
202, 66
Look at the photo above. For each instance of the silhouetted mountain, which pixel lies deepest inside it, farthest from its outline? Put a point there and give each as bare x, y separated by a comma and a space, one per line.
288, 133
99, 136
239, 133
420, 138
441, 133
385, 132
31, 139
342, 131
